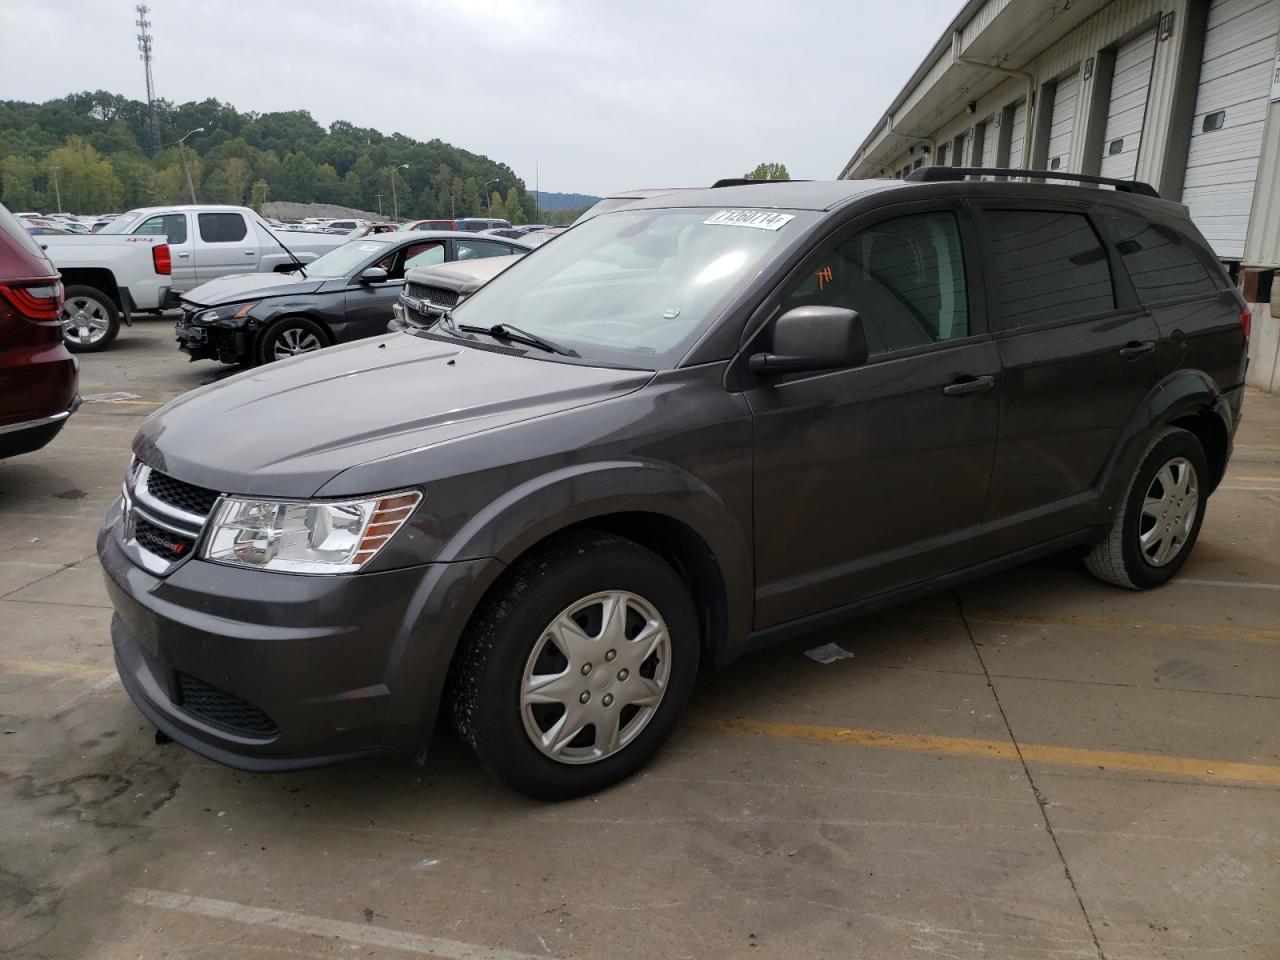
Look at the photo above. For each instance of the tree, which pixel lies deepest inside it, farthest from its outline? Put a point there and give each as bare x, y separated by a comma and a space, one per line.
496, 207
768, 171
86, 181
515, 212
18, 184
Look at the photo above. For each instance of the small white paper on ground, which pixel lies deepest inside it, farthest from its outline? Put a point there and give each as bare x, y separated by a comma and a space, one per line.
828, 653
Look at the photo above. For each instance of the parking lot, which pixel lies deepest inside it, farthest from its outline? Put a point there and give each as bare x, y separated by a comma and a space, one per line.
1037, 765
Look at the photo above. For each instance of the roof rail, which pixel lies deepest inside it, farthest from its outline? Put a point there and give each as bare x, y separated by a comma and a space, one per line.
743, 181
937, 174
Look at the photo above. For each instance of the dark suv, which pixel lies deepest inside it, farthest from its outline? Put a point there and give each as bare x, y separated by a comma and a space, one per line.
689, 427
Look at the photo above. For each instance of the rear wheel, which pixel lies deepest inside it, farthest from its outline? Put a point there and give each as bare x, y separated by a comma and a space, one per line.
290, 337
1159, 520
90, 321
575, 671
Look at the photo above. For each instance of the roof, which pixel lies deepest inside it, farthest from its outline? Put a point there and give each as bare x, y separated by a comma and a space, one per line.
785, 195
398, 236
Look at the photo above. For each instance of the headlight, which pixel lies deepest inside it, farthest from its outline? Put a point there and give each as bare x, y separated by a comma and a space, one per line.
224, 313
306, 537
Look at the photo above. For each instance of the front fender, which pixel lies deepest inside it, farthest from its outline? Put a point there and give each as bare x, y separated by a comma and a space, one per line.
534, 510
1182, 393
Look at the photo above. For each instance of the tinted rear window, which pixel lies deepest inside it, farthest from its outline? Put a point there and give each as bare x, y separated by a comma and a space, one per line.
222, 227
1162, 263
1049, 266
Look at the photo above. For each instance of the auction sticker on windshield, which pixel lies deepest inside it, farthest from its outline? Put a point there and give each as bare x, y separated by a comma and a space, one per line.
760, 219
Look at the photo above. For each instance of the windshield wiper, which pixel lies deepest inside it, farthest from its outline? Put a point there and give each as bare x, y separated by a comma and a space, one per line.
505, 331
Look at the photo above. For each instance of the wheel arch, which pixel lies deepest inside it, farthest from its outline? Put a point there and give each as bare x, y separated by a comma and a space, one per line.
99, 278
1189, 399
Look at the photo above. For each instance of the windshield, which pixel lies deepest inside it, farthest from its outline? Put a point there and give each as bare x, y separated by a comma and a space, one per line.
634, 288
123, 223
340, 261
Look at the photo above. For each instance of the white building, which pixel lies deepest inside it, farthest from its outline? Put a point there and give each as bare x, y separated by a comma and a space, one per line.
1182, 94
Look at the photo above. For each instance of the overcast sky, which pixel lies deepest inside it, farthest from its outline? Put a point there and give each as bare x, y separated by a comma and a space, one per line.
603, 95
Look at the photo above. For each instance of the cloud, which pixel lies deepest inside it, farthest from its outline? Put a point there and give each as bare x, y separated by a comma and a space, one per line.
605, 96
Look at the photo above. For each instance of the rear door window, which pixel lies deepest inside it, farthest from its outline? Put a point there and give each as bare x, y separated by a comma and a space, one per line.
222, 227
1048, 266
474, 249
1162, 263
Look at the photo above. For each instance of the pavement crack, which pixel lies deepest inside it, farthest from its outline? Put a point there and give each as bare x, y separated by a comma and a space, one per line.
1041, 802
53, 573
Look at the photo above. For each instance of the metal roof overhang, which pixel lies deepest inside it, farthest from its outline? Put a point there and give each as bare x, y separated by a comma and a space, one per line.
1002, 33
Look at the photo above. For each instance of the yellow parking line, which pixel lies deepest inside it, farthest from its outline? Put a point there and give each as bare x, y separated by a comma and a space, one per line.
1193, 630
48, 668
1195, 767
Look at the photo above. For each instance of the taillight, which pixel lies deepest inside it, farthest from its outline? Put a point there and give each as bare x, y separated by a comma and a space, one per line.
1246, 322
163, 260
34, 299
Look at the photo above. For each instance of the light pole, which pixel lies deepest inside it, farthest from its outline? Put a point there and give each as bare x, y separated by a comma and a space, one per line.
56, 190
395, 204
488, 201
379, 196
182, 152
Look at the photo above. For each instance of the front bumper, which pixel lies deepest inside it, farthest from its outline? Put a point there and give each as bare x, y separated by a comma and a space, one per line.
230, 345
268, 671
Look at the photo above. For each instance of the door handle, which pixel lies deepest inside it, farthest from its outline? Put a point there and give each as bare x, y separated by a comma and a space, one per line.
1136, 348
182, 255
250, 253
967, 385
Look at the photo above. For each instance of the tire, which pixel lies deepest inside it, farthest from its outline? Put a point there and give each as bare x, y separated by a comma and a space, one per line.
90, 320
1151, 536
290, 337
510, 641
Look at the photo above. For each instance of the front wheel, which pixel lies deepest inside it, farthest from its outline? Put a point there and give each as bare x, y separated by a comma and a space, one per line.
1159, 520
290, 337
574, 672
90, 321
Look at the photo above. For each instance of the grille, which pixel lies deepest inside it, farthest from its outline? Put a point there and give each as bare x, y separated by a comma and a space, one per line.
441, 297
221, 709
160, 541
180, 494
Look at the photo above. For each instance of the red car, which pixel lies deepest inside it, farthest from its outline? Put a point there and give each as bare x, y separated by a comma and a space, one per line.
38, 377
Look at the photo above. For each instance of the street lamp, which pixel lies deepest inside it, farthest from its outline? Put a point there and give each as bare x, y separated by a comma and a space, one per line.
379, 196
488, 201
395, 204
57, 192
182, 152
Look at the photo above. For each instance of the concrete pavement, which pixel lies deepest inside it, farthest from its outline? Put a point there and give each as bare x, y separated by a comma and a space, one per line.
1037, 765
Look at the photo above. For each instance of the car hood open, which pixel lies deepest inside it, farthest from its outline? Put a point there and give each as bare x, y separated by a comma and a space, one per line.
285, 429
246, 286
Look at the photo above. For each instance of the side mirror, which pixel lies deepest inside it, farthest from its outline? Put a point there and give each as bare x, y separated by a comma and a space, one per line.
811, 339
373, 275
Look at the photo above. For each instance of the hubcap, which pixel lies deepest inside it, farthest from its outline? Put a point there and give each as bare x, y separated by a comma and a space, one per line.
293, 341
84, 321
1168, 511
595, 677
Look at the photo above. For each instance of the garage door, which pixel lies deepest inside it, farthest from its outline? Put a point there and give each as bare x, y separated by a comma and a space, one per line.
1128, 107
1231, 112
1063, 123
984, 144
1018, 135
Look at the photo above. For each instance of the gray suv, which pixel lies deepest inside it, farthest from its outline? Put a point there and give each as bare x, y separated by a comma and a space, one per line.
690, 427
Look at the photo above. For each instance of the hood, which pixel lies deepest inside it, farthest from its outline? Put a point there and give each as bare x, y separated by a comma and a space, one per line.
462, 276
287, 428
244, 286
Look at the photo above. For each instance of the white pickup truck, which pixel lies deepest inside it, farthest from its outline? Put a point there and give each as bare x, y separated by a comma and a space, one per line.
107, 279
212, 241
109, 274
